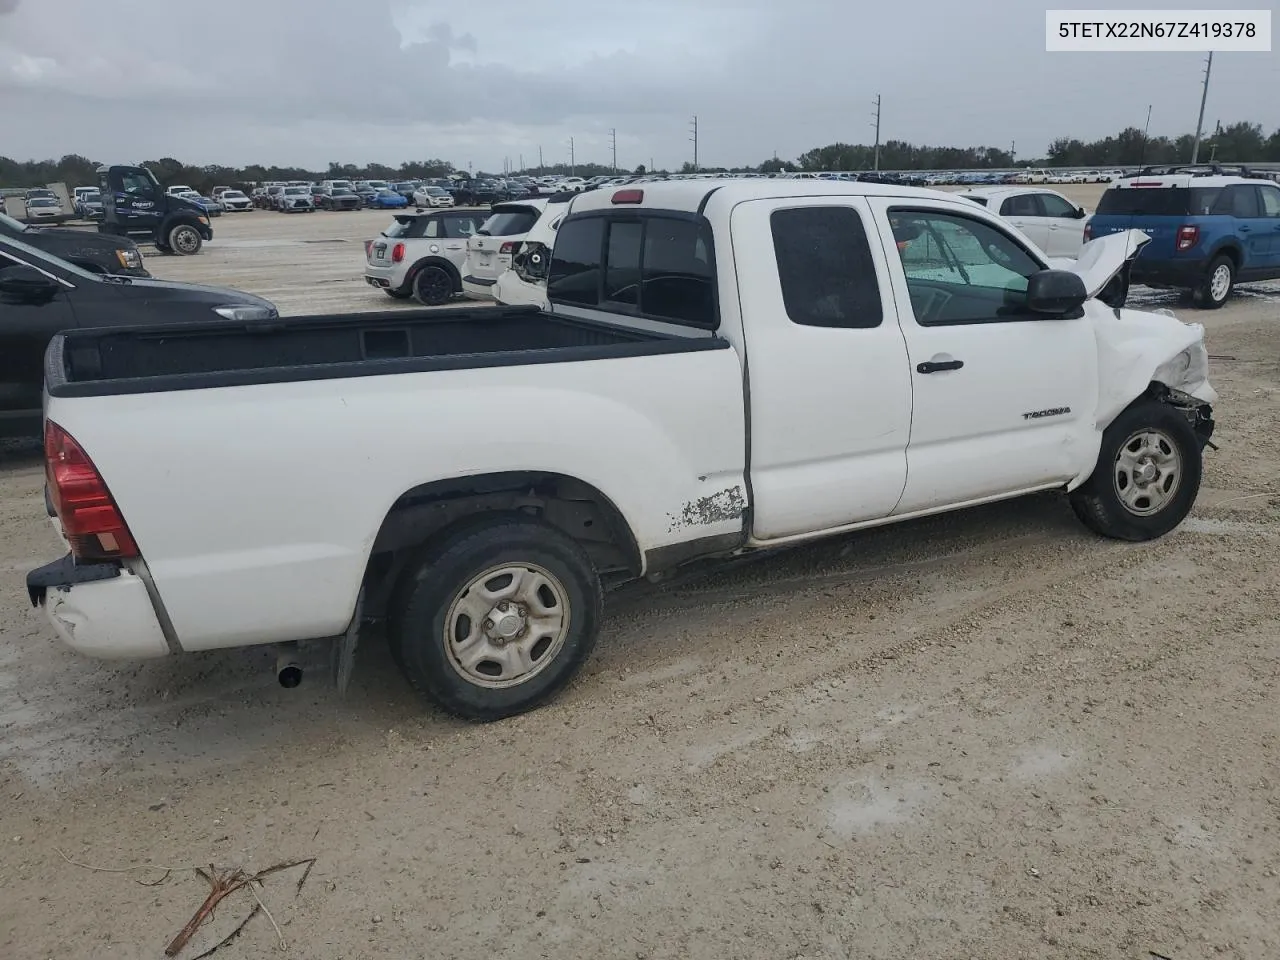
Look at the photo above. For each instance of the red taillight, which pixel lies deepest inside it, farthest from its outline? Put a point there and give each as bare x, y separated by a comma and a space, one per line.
628, 196
507, 248
1188, 237
91, 521
397, 253
1088, 232
368, 247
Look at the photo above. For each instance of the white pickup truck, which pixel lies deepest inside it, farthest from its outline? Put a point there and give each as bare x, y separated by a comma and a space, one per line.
725, 367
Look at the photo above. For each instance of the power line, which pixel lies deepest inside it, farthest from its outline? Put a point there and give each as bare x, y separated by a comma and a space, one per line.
876, 124
1204, 95
694, 140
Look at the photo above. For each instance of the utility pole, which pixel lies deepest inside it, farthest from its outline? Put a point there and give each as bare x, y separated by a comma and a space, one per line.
613, 137
522, 163
1013, 152
694, 140
573, 162
1204, 95
876, 115
540, 168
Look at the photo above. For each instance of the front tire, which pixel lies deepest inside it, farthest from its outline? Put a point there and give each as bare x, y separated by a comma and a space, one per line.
1218, 283
497, 619
185, 240
1147, 476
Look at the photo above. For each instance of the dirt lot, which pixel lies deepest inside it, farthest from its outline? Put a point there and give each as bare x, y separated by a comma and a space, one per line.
989, 735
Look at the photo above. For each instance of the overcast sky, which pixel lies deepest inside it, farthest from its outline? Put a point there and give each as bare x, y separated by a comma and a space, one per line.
309, 81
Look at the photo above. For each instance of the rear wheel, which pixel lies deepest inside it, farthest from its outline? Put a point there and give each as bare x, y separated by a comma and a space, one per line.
1218, 283
497, 619
1147, 475
433, 286
185, 240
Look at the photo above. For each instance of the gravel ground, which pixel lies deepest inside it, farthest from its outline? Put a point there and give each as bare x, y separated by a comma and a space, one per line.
984, 735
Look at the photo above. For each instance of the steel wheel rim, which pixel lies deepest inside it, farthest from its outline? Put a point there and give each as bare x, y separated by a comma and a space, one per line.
1220, 282
186, 240
506, 625
434, 284
1148, 472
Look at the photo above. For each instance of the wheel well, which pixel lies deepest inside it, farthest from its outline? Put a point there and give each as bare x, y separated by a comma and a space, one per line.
428, 512
435, 262
1228, 250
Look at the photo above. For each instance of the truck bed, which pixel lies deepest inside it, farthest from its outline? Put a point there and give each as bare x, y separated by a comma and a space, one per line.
147, 359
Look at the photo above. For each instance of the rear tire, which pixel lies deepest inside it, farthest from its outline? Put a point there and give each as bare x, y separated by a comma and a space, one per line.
1147, 475
433, 286
497, 619
1219, 281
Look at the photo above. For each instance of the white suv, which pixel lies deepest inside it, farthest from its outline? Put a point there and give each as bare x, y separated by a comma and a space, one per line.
489, 250
421, 255
526, 280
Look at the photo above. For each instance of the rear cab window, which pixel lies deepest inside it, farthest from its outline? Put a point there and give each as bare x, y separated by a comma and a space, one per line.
647, 265
825, 267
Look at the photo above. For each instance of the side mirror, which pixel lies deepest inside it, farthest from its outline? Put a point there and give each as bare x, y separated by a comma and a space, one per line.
1081, 213
1056, 293
27, 285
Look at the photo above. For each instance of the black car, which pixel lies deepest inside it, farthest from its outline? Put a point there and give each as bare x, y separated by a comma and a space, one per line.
366, 194
41, 294
340, 198
477, 193
95, 252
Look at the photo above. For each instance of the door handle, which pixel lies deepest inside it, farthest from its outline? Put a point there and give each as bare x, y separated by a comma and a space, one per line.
936, 366
1243, 228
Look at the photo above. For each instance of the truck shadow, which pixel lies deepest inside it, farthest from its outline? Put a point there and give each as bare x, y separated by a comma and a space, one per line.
226, 706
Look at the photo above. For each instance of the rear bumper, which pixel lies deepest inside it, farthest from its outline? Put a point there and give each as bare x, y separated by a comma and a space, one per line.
389, 278
99, 610
480, 287
1167, 273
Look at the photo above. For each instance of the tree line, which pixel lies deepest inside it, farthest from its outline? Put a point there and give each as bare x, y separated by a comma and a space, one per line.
1242, 142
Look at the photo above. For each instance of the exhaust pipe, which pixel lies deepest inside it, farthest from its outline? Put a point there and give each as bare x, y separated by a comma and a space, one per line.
288, 669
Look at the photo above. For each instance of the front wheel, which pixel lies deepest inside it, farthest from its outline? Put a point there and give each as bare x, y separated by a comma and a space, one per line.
1218, 283
185, 240
433, 286
1147, 475
497, 619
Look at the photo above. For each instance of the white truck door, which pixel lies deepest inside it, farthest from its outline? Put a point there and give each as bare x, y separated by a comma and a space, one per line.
829, 386
1003, 399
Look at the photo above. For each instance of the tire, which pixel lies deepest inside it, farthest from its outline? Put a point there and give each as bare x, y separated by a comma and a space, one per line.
185, 240
1219, 281
1115, 501
538, 565
397, 294
433, 286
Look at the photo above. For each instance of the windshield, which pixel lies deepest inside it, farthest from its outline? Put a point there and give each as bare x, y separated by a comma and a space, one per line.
233, 195
1158, 201
341, 192
436, 192
297, 191
42, 202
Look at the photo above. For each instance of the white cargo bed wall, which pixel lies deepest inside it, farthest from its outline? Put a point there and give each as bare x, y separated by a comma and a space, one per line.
272, 494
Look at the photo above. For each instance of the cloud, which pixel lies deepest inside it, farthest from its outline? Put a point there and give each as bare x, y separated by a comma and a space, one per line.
311, 82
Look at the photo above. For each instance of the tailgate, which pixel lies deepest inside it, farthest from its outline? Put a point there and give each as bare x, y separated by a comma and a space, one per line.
484, 258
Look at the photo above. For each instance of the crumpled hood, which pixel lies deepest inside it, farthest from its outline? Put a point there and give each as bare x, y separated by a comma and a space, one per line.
1102, 259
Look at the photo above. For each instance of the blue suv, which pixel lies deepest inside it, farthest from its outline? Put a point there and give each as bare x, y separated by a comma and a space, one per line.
1209, 228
